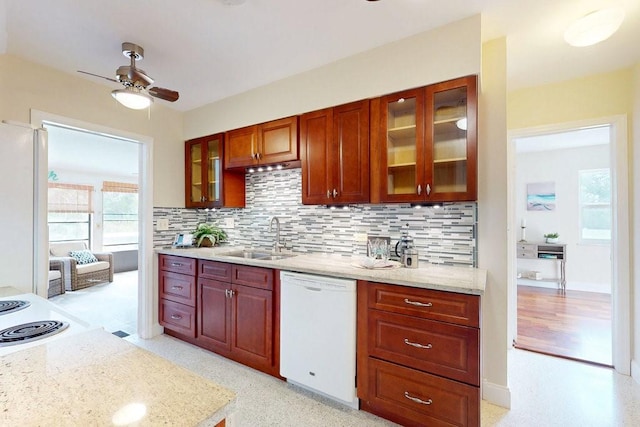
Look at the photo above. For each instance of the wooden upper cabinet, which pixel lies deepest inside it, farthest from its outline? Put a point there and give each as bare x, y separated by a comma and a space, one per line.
207, 185
334, 149
266, 143
426, 144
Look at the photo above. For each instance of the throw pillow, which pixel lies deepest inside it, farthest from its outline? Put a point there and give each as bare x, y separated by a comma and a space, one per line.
83, 257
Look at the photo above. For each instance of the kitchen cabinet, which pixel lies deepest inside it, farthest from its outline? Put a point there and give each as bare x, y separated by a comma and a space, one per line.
177, 286
419, 355
207, 184
264, 144
334, 151
236, 313
426, 144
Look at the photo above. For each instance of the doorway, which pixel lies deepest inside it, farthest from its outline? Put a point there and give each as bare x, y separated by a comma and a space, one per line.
540, 305
146, 316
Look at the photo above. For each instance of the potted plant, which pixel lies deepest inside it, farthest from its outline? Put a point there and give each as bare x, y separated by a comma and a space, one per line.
551, 237
208, 235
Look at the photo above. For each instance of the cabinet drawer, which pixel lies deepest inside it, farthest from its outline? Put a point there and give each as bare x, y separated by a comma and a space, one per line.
527, 254
178, 287
527, 247
177, 264
178, 317
461, 309
256, 277
214, 270
415, 398
440, 348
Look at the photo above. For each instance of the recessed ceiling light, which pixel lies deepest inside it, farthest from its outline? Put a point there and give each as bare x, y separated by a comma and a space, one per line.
594, 27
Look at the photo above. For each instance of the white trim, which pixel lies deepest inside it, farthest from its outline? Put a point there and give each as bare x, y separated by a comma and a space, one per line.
621, 300
496, 394
147, 302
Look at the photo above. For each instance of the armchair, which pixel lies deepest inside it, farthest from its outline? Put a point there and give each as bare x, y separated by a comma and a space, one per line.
78, 275
56, 273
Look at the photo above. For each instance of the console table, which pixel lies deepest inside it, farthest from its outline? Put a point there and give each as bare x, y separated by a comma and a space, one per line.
546, 251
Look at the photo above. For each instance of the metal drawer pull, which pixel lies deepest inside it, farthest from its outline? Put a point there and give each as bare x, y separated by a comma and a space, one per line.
176, 264
176, 288
176, 317
415, 344
415, 399
419, 304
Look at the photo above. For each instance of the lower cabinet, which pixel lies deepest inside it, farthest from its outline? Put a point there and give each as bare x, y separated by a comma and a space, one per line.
419, 355
225, 308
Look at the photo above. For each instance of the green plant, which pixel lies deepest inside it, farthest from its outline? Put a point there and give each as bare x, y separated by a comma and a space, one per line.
551, 235
211, 232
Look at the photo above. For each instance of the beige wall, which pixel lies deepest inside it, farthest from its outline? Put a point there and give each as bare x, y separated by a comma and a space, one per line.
429, 57
635, 229
26, 85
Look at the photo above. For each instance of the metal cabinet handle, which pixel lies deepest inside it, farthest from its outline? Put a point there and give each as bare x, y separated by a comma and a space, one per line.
417, 400
419, 189
229, 293
415, 344
176, 264
328, 194
176, 317
419, 304
335, 193
177, 288
428, 189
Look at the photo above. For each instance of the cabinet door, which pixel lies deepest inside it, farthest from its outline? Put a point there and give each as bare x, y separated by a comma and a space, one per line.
349, 156
252, 340
315, 144
241, 147
214, 314
401, 151
451, 140
196, 172
278, 141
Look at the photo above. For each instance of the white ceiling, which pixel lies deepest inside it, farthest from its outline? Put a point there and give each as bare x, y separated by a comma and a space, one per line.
208, 51
597, 135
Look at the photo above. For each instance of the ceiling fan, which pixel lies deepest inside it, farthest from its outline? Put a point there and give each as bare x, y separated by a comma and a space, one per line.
136, 93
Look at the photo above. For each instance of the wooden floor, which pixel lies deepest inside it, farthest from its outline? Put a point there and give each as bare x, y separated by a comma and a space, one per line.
576, 326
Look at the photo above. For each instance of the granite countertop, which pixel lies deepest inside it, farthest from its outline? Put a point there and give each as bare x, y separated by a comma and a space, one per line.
428, 276
95, 378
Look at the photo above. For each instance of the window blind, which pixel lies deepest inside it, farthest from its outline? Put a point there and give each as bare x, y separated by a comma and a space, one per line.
119, 187
70, 198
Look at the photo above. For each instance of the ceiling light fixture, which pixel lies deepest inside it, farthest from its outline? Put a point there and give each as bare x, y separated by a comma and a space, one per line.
595, 27
132, 97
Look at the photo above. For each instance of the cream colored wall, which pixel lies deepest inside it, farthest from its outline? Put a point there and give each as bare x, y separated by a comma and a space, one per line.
25, 85
635, 228
492, 219
429, 57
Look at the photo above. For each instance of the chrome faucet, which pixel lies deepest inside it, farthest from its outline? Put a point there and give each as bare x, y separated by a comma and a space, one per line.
277, 246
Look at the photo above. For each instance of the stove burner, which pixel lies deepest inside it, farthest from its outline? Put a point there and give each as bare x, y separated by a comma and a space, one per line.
32, 331
9, 306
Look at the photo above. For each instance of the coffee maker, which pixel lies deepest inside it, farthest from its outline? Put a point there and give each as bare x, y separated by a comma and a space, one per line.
406, 252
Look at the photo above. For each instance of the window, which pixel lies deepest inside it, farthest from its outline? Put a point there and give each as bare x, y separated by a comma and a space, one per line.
70, 212
119, 215
595, 205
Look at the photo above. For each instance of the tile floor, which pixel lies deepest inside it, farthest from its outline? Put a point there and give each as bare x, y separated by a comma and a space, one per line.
545, 391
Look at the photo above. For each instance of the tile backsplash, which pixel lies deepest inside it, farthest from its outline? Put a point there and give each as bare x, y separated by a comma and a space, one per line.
442, 236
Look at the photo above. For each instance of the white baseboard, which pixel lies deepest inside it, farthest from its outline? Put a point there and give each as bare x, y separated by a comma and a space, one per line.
635, 371
496, 394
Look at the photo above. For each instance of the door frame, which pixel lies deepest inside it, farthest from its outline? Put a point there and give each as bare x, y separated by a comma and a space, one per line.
147, 326
621, 261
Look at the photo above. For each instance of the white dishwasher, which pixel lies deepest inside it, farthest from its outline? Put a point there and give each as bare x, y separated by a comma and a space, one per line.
318, 334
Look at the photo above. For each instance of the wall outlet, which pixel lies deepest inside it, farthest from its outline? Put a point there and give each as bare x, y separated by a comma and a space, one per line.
229, 223
360, 237
163, 224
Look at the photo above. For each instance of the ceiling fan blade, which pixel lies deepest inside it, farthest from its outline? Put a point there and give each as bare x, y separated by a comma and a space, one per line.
97, 75
166, 94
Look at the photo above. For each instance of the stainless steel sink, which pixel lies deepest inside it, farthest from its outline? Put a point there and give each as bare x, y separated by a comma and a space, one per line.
252, 254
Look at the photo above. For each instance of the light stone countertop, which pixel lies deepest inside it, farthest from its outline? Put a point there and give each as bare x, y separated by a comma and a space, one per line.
428, 276
93, 377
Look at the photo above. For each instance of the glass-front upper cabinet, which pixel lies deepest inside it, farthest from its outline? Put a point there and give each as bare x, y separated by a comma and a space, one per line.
427, 143
204, 185
451, 140
401, 135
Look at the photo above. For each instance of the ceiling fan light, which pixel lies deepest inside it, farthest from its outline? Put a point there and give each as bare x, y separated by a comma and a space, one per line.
132, 98
594, 27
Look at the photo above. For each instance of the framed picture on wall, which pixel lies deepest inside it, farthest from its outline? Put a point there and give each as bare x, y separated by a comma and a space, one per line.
541, 196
